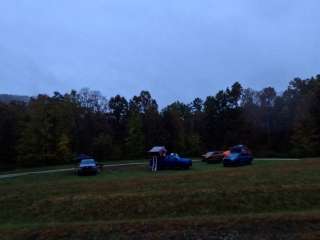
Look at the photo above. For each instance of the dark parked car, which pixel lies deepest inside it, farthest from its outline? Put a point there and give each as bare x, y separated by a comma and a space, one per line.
213, 157
88, 167
239, 155
173, 161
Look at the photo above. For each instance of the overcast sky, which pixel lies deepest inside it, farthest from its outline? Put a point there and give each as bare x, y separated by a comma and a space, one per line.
176, 49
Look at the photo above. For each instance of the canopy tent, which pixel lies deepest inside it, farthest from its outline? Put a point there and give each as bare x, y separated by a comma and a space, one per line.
158, 149
158, 153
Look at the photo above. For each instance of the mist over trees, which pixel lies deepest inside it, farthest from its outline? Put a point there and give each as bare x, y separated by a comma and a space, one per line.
51, 130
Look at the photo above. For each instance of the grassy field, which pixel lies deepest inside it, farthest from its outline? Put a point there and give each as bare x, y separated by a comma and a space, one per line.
268, 200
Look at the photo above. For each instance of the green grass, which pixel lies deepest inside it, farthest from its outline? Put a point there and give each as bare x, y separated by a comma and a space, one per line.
134, 196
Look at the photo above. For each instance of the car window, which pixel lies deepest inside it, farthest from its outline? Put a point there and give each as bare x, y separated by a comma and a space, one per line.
236, 150
88, 161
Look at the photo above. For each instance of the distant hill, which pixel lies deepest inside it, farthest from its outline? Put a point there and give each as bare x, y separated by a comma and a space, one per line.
6, 98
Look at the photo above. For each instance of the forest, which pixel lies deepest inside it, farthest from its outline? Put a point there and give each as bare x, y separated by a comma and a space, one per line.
52, 130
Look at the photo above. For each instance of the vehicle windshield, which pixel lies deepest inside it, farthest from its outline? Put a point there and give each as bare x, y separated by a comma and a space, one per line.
174, 155
88, 161
236, 150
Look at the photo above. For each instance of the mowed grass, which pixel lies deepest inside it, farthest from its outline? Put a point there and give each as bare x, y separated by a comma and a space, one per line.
132, 202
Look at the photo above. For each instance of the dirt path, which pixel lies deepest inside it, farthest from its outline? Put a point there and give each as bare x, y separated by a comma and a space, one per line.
12, 175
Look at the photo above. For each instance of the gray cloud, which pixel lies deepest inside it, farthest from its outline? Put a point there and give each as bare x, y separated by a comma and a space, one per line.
176, 49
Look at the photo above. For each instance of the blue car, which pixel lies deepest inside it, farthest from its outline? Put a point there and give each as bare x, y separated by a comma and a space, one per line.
88, 167
239, 155
173, 161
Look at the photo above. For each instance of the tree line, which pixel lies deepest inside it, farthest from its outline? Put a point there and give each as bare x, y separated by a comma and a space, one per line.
50, 130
